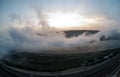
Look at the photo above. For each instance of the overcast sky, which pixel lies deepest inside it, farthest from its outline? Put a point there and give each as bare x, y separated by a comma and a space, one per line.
109, 9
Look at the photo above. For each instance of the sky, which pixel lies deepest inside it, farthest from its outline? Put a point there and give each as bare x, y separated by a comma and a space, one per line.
34, 25
95, 12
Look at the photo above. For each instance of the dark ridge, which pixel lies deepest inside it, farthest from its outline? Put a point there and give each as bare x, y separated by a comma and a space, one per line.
71, 33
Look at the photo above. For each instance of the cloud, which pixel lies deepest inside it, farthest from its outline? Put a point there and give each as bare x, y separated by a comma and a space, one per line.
46, 38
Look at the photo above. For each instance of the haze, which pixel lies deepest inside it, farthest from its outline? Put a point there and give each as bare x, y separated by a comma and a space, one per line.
36, 25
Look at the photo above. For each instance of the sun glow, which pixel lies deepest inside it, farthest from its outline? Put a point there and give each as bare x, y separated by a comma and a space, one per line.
61, 20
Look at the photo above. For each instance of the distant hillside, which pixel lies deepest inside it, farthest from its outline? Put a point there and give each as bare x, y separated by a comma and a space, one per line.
70, 33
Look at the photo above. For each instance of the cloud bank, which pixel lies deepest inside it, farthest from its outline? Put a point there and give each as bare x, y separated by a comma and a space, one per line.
29, 37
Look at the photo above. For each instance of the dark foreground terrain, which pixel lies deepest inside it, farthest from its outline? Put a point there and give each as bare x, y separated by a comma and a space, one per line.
95, 64
55, 62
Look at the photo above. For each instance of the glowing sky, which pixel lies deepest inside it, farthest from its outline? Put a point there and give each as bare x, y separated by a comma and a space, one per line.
65, 13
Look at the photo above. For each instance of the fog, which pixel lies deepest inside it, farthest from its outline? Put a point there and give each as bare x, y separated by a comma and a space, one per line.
25, 35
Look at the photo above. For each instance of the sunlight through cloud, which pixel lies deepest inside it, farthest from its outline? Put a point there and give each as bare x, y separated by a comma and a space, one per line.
62, 20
